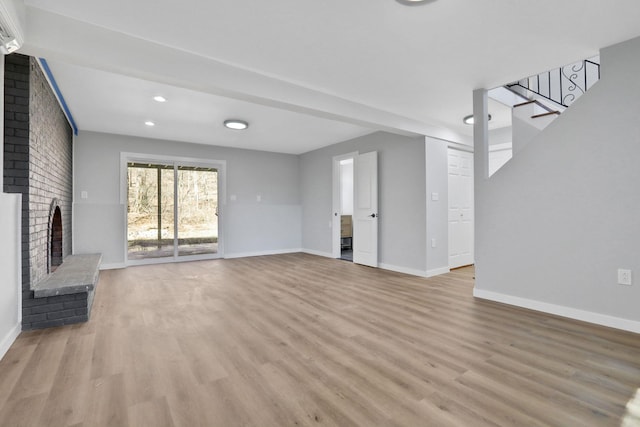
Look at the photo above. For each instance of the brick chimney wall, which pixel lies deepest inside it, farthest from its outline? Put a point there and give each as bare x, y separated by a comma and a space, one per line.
38, 163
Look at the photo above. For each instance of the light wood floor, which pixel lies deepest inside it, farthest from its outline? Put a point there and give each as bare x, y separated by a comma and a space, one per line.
297, 340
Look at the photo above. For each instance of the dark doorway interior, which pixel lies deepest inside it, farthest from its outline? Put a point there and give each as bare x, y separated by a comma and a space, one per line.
55, 248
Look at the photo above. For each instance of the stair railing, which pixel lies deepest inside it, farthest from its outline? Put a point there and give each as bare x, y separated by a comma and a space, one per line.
563, 85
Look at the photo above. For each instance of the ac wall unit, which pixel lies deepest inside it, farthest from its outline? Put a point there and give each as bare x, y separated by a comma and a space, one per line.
10, 32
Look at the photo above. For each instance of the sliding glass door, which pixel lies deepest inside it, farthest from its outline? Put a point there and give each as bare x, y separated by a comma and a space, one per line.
197, 211
172, 211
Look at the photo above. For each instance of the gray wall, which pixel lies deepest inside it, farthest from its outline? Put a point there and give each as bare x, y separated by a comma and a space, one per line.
558, 220
251, 227
437, 176
402, 204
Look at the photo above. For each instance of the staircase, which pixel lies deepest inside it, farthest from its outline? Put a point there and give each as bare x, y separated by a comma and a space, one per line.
563, 85
538, 100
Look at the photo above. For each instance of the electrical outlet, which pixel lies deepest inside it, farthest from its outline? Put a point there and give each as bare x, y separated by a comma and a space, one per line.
624, 277
433, 243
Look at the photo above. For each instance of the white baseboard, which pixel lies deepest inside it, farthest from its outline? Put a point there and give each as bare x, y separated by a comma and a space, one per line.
262, 253
318, 253
405, 270
438, 271
9, 339
559, 310
113, 266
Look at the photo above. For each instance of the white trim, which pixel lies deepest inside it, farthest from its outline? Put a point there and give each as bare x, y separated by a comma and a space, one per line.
317, 253
262, 253
560, 310
438, 271
405, 270
113, 266
9, 339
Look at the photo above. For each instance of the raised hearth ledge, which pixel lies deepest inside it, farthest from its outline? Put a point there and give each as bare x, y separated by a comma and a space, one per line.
77, 274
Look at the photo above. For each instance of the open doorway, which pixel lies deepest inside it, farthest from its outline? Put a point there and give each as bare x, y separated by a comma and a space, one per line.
343, 198
346, 209
355, 208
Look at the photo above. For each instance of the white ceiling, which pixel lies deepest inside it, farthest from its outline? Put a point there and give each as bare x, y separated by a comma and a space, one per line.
114, 103
305, 74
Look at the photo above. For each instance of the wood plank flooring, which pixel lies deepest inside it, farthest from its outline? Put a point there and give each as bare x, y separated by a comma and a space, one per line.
299, 340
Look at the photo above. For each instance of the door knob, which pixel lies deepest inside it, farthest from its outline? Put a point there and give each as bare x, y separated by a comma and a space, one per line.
372, 215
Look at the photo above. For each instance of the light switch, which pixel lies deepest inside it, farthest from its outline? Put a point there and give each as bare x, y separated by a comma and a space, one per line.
233, 197
84, 194
435, 197
259, 198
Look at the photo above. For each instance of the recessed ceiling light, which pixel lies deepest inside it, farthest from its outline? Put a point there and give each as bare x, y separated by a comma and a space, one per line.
468, 120
149, 123
159, 98
236, 124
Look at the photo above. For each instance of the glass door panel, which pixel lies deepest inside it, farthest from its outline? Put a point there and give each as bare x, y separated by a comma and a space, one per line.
150, 211
197, 210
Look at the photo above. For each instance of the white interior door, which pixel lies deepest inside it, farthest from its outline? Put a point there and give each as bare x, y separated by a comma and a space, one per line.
365, 209
460, 208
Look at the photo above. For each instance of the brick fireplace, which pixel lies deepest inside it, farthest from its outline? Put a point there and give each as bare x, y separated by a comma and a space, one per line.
38, 163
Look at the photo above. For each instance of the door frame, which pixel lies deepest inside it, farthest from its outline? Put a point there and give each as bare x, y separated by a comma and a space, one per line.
335, 213
219, 165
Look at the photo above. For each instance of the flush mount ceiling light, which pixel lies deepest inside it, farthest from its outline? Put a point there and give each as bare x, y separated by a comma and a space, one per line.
414, 2
468, 120
236, 124
159, 98
149, 123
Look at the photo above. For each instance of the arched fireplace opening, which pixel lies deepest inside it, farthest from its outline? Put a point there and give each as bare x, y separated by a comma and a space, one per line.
55, 237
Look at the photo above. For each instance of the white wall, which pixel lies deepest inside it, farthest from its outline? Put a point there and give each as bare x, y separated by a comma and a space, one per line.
499, 155
250, 227
437, 210
559, 219
346, 187
10, 270
402, 201
10, 251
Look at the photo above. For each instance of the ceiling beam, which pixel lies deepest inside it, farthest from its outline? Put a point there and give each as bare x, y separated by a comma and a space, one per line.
53, 36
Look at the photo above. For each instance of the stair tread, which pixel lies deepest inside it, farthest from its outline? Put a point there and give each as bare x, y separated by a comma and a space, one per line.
545, 114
